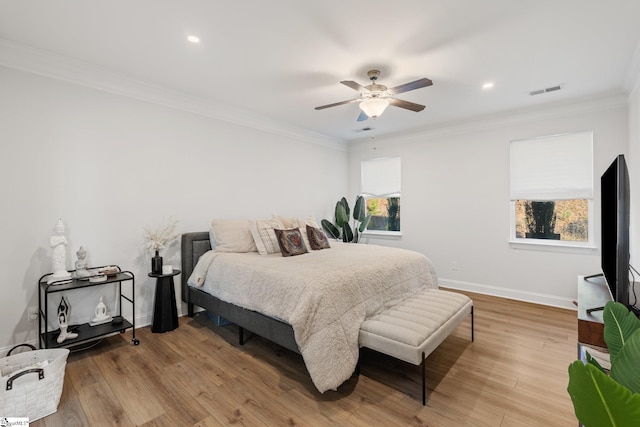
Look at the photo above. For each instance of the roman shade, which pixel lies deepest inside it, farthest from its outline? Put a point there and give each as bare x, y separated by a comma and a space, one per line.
557, 167
381, 177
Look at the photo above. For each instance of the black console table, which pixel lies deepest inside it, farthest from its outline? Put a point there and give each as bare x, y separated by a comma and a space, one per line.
86, 332
165, 312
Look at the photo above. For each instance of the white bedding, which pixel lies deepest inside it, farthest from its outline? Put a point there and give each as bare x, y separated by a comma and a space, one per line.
324, 295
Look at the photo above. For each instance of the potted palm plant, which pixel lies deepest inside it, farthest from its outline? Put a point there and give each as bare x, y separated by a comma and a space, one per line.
602, 399
340, 228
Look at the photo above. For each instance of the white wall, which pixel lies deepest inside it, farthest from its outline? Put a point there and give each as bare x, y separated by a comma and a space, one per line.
455, 198
110, 165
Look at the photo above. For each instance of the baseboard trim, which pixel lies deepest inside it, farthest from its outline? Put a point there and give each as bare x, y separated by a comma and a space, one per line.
518, 295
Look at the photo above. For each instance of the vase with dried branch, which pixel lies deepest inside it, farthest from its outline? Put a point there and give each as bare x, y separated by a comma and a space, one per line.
157, 239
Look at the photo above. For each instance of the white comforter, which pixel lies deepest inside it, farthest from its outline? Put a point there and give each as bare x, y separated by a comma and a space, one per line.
324, 295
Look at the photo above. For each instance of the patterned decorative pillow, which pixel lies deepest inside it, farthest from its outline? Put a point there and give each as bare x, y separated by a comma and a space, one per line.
291, 242
317, 238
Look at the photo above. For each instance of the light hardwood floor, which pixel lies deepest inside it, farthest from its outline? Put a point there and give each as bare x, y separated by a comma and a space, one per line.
514, 374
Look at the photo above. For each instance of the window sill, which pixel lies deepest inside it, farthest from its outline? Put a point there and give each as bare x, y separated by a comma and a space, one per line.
553, 246
377, 234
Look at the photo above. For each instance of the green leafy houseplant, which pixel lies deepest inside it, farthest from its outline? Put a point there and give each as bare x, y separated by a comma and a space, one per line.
340, 228
601, 400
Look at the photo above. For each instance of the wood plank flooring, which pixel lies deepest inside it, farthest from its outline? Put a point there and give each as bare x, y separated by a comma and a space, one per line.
513, 375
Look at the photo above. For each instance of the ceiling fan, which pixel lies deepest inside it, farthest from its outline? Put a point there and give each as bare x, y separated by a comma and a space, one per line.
375, 98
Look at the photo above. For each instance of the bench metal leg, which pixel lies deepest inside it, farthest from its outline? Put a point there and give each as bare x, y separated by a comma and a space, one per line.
472, 328
424, 380
241, 335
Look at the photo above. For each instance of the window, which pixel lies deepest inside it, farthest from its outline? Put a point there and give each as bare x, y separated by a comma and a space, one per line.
552, 190
381, 189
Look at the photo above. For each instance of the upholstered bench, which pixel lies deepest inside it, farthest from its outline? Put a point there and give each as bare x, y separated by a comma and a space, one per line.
413, 328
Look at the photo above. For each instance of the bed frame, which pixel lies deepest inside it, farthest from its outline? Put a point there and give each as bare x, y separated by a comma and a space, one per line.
193, 246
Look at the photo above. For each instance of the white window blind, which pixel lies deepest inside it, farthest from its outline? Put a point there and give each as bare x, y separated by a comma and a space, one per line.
552, 168
381, 177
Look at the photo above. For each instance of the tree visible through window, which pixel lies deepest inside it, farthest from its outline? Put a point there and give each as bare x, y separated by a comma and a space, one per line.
566, 220
551, 180
385, 213
381, 188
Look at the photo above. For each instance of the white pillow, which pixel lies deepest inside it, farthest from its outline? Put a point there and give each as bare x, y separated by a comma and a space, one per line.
302, 225
294, 222
233, 235
264, 237
285, 221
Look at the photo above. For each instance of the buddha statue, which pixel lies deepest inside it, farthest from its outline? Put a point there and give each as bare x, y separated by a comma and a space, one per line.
81, 264
58, 243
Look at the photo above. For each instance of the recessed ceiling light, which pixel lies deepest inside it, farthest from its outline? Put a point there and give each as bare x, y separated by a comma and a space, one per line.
193, 39
487, 86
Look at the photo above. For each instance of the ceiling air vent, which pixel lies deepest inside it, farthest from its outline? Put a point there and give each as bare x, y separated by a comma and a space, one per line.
546, 90
365, 129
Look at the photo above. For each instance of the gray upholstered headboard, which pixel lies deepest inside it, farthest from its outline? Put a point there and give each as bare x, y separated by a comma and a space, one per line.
193, 246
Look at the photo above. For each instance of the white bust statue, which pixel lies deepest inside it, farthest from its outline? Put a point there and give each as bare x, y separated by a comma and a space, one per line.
58, 243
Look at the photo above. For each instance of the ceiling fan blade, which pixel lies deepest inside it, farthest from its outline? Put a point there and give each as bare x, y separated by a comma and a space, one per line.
406, 105
355, 86
410, 86
362, 117
335, 104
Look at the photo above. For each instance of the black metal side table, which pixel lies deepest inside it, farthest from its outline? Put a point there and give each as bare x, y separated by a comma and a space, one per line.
165, 312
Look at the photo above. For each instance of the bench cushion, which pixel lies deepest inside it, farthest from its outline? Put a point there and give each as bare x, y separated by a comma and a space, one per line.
416, 325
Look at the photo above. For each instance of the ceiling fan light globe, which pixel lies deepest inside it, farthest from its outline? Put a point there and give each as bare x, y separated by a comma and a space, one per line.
374, 107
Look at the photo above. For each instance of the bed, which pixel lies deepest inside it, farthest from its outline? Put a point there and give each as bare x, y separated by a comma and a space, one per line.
312, 304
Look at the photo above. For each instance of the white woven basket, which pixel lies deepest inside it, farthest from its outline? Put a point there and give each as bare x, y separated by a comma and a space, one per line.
32, 382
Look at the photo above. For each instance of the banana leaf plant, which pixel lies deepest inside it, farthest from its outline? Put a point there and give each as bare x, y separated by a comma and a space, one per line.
340, 228
601, 399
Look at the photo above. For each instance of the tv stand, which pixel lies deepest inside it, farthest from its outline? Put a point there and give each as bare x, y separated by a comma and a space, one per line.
591, 310
634, 310
591, 293
599, 308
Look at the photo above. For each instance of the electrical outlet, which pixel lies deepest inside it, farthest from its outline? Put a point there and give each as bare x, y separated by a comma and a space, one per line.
33, 313
454, 265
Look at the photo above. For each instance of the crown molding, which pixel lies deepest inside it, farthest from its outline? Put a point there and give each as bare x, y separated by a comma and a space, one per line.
501, 120
55, 66
632, 79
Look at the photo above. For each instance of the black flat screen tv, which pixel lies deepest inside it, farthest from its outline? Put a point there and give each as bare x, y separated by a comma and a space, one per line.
615, 229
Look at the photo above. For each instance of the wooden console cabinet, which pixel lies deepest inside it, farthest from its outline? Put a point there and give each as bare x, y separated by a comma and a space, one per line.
592, 292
